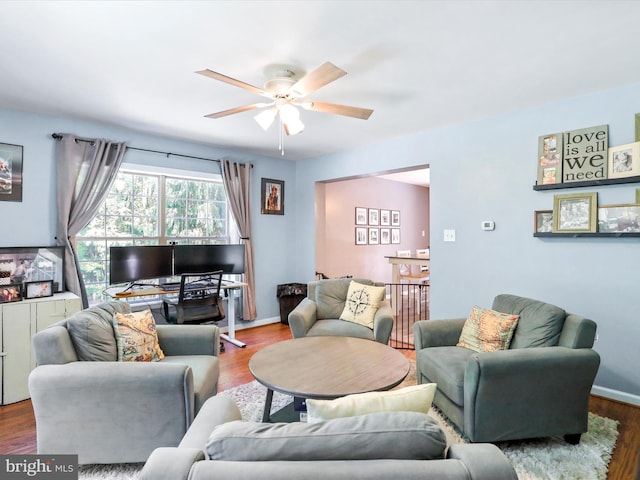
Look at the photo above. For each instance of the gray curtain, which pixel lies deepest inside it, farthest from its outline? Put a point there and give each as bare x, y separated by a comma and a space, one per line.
86, 169
237, 183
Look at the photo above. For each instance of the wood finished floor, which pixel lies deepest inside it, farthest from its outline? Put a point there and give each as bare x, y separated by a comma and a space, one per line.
18, 430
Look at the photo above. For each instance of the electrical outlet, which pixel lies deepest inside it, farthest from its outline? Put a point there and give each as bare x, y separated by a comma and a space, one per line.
449, 235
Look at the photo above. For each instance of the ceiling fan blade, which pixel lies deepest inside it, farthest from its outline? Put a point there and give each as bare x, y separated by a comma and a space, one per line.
355, 112
324, 74
231, 111
232, 81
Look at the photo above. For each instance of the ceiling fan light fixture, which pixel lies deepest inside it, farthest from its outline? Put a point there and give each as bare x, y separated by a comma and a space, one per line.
266, 117
294, 127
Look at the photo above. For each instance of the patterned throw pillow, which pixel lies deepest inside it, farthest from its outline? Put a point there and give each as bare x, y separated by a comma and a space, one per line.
136, 337
362, 303
487, 330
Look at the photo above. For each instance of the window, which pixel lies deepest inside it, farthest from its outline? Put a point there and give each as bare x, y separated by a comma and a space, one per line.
150, 209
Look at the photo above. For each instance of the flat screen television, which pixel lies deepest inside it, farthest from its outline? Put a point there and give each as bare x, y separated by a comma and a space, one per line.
208, 258
140, 262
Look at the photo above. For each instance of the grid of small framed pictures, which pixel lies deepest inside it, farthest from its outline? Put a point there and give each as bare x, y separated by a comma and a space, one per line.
377, 226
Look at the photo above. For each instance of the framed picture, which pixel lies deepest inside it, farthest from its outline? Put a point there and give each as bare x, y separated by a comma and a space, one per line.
10, 293
395, 218
619, 218
38, 289
361, 236
550, 159
543, 221
31, 264
637, 195
272, 196
10, 172
385, 236
361, 216
575, 212
395, 236
374, 216
624, 161
374, 236
385, 217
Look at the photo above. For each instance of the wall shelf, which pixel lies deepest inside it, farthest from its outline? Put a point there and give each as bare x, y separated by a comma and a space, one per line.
589, 183
588, 234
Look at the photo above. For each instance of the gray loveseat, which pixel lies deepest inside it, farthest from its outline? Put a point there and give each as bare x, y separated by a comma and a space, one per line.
319, 313
372, 447
88, 403
538, 387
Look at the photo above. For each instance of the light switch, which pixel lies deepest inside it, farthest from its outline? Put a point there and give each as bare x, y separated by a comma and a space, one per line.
449, 235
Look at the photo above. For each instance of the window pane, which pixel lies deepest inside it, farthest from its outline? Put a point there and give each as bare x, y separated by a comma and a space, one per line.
195, 211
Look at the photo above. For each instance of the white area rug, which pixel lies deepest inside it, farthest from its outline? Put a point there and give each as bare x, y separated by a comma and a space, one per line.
545, 459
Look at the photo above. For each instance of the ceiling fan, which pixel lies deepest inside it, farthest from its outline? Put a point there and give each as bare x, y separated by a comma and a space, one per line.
287, 88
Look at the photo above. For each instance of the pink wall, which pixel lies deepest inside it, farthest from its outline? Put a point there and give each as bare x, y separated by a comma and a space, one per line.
336, 251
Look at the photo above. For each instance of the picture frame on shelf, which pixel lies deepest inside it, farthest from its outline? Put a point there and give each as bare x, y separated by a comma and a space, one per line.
361, 236
624, 161
11, 292
385, 218
374, 216
361, 216
374, 236
385, 236
637, 195
575, 212
623, 218
31, 264
550, 159
543, 221
395, 218
39, 289
272, 196
11, 172
395, 236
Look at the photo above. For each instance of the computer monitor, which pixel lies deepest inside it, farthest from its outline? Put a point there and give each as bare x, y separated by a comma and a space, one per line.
140, 262
208, 258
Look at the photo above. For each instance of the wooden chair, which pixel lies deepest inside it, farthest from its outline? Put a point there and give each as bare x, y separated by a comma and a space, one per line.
420, 277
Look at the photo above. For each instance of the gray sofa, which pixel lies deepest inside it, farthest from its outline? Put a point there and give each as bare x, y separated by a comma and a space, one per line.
319, 312
372, 447
88, 403
538, 387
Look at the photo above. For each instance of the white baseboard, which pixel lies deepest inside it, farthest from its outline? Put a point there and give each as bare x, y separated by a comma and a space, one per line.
616, 395
241, 325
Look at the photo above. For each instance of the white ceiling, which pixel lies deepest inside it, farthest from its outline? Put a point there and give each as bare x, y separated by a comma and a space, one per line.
419, 64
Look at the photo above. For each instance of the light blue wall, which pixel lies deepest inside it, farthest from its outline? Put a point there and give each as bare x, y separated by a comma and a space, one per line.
485, 170
482, 170
33, 221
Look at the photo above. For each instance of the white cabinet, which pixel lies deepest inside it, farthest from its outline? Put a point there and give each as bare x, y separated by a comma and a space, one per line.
19, 321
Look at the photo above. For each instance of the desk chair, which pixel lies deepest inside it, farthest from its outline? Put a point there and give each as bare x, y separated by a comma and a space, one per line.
198, 300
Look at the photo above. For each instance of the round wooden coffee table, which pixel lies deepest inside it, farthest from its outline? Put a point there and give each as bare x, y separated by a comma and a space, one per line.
327, 367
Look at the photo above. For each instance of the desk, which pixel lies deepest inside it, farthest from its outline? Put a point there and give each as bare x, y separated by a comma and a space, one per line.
230, 287
395, 273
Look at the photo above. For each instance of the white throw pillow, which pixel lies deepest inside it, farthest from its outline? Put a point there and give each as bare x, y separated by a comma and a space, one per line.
362, 303
416, 398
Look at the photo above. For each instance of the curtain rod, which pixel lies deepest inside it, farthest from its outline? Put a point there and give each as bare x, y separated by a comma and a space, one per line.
58, 136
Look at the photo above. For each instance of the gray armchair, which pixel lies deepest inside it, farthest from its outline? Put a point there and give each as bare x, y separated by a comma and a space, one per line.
538, 387
319, 313
87, 403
